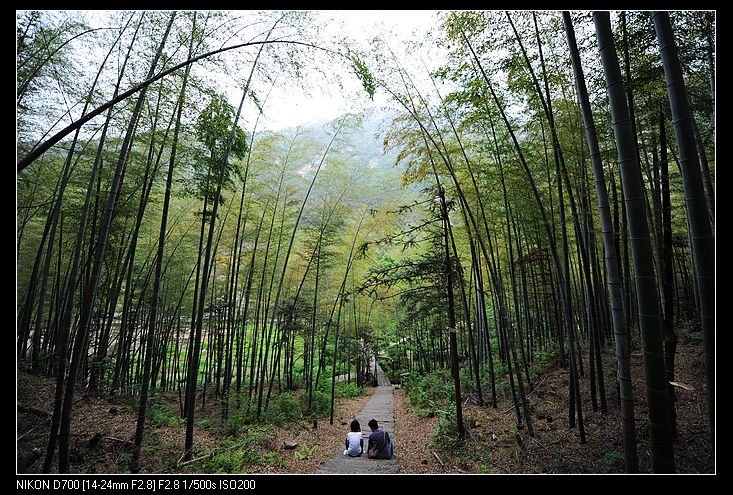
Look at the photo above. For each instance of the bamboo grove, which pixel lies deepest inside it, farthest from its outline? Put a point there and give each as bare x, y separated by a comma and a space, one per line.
552, 200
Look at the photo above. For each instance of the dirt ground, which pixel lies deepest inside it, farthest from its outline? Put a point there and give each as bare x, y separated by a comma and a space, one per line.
495, 445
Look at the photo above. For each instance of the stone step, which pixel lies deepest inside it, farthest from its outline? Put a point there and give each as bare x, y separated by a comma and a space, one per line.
359, 465
380, 407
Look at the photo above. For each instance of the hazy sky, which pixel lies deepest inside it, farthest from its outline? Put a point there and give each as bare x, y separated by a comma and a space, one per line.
286, 108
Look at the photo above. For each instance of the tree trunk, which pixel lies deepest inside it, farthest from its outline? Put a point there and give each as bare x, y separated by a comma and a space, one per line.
656, 383
63, 332
611, 257
703, 243
338, 318
150, 338
43, 147
193, 372
670, 337
91, 291
706, 175
452, 322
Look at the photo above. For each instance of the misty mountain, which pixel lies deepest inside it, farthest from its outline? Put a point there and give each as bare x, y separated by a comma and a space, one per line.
365, 142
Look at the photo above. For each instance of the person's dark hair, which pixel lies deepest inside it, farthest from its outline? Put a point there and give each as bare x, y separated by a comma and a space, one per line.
373, 424
355, 426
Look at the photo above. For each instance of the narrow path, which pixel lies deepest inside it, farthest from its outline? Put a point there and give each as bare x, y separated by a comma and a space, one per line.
381, 408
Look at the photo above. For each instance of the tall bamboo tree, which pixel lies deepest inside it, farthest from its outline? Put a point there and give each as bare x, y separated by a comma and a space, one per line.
611, 257
703, 243
647, 295
150, 338
90, 293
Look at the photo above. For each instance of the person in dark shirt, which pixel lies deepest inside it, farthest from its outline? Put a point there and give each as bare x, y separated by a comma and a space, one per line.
380, 445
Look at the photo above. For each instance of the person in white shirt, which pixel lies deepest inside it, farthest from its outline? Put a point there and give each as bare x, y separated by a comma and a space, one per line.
354, 441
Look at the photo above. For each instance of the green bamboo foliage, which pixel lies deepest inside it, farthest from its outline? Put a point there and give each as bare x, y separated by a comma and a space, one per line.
562, 278
341, 292
195, 357
645, 279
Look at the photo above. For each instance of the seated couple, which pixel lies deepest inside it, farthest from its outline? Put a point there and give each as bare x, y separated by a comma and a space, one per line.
380, 444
